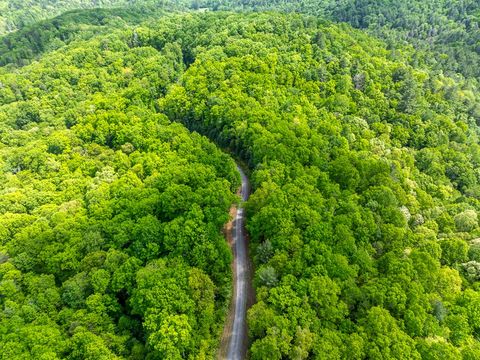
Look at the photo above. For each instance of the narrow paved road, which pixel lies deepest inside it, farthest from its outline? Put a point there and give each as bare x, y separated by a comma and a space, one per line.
237, 346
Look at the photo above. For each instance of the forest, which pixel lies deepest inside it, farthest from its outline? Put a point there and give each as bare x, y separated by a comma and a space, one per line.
18, 14
105, 201
447, 29
119, 131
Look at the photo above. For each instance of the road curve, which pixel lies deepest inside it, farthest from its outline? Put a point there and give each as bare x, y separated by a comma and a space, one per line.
237, 345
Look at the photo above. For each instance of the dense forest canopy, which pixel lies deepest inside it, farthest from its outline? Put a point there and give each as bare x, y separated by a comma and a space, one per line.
365, 207
16, 14
27, 44
110, 214
363, 157
445, 33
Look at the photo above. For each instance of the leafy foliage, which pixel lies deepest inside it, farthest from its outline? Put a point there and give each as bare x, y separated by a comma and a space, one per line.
364, 157
26, 44
18, 14
110, 215
360, 211
445, 33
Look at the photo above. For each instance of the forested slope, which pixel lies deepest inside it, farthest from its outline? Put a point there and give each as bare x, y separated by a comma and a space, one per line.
363, 220
110, 216
17, 14
365, 207
21, 47
445, 33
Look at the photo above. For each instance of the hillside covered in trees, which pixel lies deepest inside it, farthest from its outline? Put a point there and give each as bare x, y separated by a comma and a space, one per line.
18, 14
117, 132
447, 29
364, 213
110, 214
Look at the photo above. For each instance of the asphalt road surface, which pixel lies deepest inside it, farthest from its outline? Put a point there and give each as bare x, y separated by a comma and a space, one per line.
238, 341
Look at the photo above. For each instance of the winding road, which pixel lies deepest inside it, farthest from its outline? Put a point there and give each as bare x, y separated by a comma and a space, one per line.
237, 329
